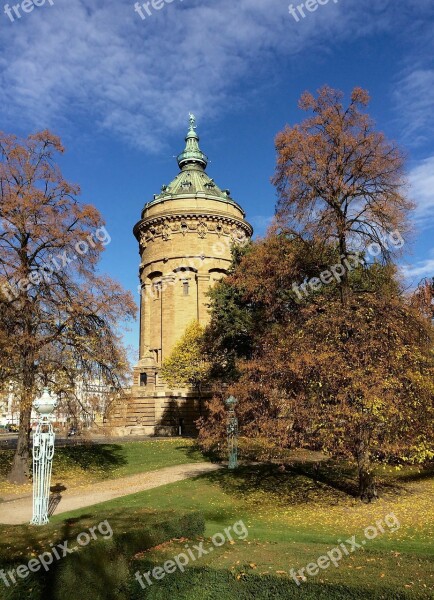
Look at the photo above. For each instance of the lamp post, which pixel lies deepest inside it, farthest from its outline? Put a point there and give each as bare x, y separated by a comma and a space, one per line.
232, 433
43, 452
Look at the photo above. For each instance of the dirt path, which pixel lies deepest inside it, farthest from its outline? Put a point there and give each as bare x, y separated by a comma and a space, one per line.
17, 512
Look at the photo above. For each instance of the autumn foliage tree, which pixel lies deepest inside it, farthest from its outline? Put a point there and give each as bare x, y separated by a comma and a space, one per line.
348, 367
58, 318
352, 380
340, 181
423, 297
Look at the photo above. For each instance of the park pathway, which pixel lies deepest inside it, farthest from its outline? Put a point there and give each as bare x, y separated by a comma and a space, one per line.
18, 512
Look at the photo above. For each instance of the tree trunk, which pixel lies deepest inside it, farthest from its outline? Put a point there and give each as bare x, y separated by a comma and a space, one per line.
367, 489
343, 252
20, 470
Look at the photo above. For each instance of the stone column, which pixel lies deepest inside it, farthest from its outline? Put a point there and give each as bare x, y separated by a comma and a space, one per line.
168, 312
203, 283
145, 319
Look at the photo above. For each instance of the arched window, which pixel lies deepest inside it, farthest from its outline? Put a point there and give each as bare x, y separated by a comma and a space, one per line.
216, 275
156, 286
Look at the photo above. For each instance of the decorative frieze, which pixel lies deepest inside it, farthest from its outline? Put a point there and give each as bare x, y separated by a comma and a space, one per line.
202, 224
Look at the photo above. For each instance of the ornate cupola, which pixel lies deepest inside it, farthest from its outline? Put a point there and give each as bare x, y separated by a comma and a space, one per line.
192, 181
192, 154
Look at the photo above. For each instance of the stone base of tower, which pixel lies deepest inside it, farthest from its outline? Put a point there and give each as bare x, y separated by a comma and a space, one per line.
157, 413
149, 408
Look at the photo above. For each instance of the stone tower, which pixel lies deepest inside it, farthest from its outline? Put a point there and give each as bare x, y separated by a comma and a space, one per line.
185, 236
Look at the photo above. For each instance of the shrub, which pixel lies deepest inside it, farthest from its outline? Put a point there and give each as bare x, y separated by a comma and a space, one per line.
101, 570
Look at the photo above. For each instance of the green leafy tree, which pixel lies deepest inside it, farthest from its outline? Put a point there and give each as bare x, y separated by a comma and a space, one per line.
229, 335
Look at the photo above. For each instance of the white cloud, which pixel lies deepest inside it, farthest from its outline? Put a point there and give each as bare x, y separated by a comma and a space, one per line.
97, 60
419, 270
421, 179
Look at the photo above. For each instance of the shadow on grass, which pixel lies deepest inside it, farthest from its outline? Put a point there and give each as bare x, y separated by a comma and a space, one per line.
426, 472
297, 484
100, 570
101, 564
104, 457
55, 497
6, 457
194, 453
327, 481
339, 476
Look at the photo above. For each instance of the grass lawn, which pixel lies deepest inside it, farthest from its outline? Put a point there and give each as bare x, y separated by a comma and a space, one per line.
293, 518
81, 465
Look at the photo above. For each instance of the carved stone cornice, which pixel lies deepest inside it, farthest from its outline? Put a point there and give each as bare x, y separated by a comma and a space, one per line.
201, 224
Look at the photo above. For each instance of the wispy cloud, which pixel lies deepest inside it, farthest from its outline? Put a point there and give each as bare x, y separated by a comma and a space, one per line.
419, 270
415, 105
82, 60
97, 60
414, 81
421, 179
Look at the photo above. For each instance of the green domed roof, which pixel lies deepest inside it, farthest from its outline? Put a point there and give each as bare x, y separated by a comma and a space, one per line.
192, 179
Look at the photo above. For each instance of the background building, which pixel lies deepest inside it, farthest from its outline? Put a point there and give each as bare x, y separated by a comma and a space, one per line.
83, 407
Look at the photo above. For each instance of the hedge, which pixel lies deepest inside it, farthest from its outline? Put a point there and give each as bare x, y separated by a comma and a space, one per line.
204, 583
100, 571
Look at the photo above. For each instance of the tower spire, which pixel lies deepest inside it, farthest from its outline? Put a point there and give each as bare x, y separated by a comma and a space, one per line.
192, 122
192, 154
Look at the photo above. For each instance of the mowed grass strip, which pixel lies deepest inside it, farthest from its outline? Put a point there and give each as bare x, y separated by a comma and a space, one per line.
291, 524
293, 518
81, 465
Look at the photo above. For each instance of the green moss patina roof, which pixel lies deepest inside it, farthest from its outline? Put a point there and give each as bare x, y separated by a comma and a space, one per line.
192, 179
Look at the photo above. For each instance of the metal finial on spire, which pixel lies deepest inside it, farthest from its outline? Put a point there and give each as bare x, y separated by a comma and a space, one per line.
192, 122
192, 154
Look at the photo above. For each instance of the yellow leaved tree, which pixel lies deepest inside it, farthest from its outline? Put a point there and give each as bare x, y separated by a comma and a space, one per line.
188, 364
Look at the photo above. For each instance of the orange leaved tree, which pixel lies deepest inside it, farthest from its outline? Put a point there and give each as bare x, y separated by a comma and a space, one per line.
57, 316
354, 380
339, 180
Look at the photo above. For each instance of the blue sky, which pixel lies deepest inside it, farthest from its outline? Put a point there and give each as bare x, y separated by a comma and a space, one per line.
118, 89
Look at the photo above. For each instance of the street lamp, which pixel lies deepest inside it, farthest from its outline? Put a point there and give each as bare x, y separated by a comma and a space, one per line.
232, 433
43, 452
